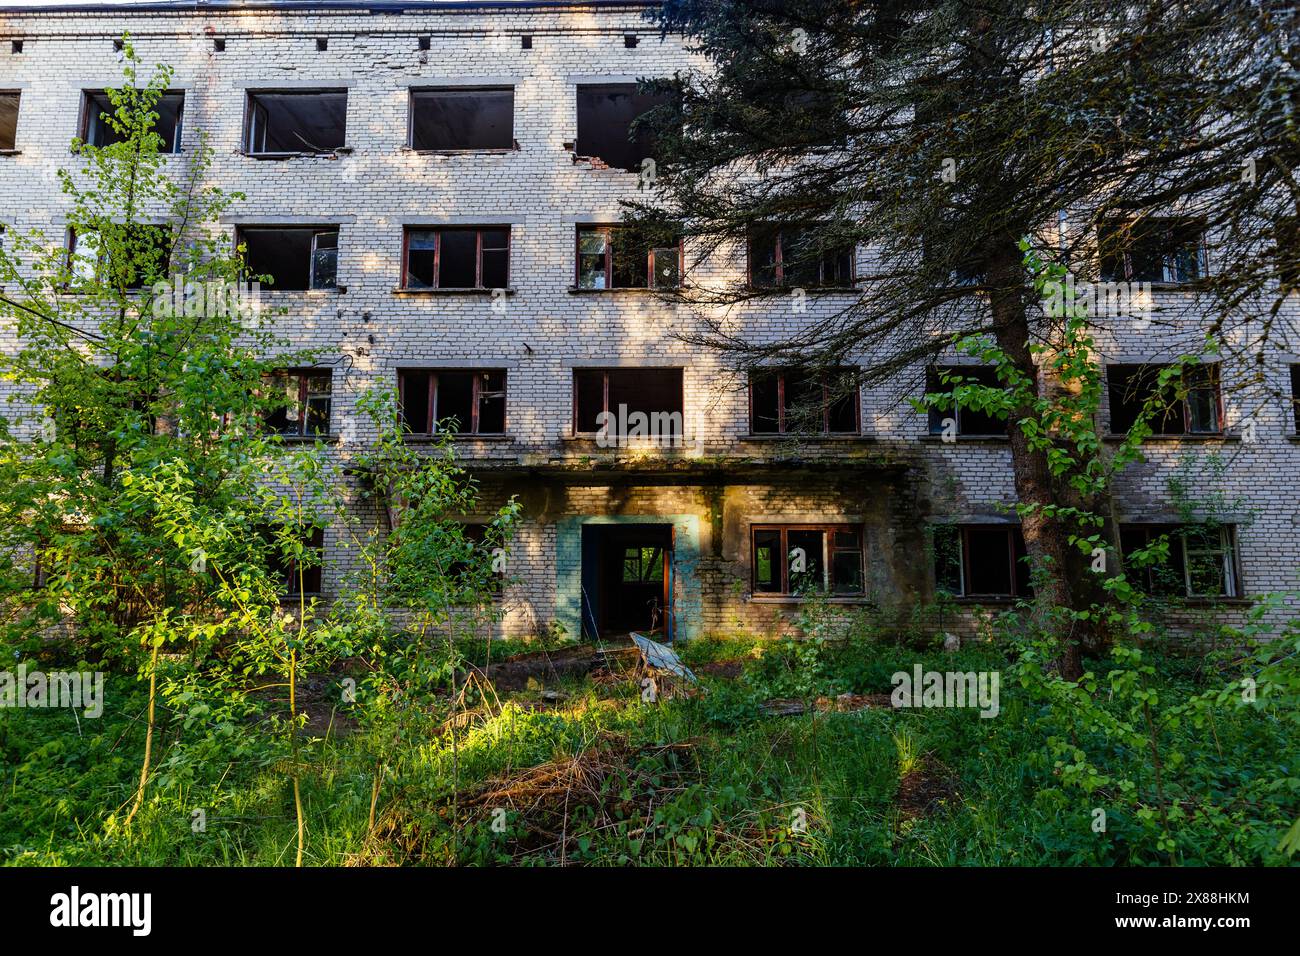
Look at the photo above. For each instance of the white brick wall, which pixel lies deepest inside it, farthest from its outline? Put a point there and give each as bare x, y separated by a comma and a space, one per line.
542, 192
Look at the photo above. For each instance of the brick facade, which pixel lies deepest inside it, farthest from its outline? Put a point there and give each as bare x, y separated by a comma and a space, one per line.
889, 482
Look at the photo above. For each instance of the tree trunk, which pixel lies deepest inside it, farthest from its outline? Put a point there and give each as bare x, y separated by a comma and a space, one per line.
1046, 538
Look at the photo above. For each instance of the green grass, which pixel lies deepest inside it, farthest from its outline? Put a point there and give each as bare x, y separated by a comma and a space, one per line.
744, 789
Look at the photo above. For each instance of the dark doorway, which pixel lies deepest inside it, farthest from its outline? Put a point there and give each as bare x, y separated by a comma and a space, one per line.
627, 579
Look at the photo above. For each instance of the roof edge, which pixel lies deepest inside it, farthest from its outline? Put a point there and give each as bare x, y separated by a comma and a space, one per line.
315, 6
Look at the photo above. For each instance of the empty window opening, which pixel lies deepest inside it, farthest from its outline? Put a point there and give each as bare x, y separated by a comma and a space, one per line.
1163, 251
219, 45
525, 42
136, 257
1191, 560
425, 43
608, 127
1295, 397
97, 130
614, 401
457, 258
464, 401
305, 121
301, 402
1286, 251
795, 257
297, 577
630, 40
322, 44
16, 46
1190, 404
981, 561
457, 119
801, 560
9, 120
796, 401
292, 259
118, 46
477, 569
617, 257
947, 381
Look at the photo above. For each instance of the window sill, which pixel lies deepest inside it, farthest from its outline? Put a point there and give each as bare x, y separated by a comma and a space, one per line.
308, 293
276, 157
793, 600
1177, 439
485, 151
308, 596
330, 439
399, 290
1175, 603
796, 437
812, 290
11, 152
676, 443
456, 436
965, 439
622, 290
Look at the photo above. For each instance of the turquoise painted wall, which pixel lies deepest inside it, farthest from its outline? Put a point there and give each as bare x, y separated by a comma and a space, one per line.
687, 594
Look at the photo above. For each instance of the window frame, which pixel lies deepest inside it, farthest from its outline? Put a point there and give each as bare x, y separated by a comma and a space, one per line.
935, 416
778, 264
1184, 402
964, 562
101, 260
781, 375
476, 398
1167, 280
829, 550
316, 230
304, 374
314, 574
437, 257
18, 113
414, 91
608, 229
1228, 551
86, 117
249, 124
605, 372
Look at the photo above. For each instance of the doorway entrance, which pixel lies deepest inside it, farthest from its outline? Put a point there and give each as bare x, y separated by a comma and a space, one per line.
627, 579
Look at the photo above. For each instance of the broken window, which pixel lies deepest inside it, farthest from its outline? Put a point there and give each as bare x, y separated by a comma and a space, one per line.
470, 570
981, 561
296, 121
789, 401
462, 118
465, 401
299, 577
304, 397
617, 257
97, 131
1189, 404
8, 120
296, 258
1167, 251
607, 127
1295, 396
617, 394
1286, 246
941, 380
143, 257
795, 257
459, 258
796, 560
1200, 560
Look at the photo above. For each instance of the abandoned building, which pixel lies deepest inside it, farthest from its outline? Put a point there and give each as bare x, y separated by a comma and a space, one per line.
436, 189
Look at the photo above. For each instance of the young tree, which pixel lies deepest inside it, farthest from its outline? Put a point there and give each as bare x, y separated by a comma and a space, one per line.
939, 136
136, 381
